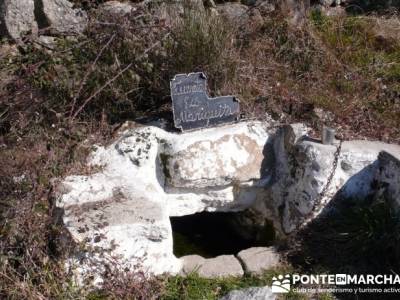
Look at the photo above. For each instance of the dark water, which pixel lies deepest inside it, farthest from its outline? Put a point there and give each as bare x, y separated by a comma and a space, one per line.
209, 235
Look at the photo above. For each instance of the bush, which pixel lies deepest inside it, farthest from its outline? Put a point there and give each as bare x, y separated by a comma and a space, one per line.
52, 100
369, 48
202, 42
122, 68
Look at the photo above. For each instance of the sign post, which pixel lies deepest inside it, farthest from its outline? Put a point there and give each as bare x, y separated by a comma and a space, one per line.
192, 107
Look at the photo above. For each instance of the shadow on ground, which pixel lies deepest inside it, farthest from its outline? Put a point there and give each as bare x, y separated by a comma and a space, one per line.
351, 236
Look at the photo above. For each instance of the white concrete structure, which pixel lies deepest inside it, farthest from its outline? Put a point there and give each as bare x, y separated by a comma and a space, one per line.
147, 175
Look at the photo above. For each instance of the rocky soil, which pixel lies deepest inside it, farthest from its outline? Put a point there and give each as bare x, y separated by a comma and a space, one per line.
93, 168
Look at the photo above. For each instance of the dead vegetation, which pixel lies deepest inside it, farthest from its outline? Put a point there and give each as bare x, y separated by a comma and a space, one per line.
54, 103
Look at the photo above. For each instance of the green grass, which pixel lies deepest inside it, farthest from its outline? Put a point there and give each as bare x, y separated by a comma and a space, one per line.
195, 287
370, 60
355, 42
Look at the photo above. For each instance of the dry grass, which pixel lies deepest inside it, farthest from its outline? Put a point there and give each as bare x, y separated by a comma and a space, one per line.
339, 65
51, 102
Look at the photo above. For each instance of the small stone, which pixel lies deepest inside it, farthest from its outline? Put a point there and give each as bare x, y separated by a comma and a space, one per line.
221, 266
336, 11
60, 17
324, 116
253, 293
345, 165
117, 8
8, 51
258, 259
48, 42
327, 3
265, 7
17, 18
234, 12
191, 263
296, 11
209, 4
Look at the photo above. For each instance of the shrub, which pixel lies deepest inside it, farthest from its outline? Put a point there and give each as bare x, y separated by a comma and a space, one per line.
122, 68
53, 100
202, 42
370, 54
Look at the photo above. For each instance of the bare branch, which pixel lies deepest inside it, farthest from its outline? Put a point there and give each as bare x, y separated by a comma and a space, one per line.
100, 90
89, 71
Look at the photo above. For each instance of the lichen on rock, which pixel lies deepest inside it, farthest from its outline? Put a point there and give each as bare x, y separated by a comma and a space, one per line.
148, 175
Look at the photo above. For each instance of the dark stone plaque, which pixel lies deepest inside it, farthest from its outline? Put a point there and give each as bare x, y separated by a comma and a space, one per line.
194, 109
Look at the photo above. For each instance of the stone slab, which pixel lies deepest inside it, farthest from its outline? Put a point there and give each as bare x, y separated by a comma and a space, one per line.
258, 259
220, 267
253, 293
191, 263
61, 17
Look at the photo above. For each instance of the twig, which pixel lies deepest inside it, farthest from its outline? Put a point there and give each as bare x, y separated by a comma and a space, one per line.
100, 90
89, 71
129, 27
4, 112
80, 44
114, 78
